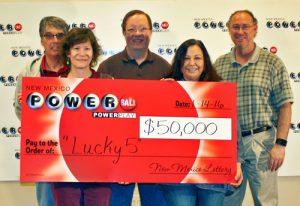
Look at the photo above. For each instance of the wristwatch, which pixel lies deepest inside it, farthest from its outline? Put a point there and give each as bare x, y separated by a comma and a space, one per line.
281, 141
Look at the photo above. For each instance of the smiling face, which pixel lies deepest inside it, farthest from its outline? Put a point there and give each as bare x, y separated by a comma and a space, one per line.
193, 64
137, 33
242, 30
81, 55
51, 40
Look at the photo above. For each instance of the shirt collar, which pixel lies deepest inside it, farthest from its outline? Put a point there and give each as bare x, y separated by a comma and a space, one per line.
43, 63
126, 58
45, 72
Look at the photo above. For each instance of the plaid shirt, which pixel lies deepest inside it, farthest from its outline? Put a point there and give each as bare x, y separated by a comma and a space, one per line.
262, 84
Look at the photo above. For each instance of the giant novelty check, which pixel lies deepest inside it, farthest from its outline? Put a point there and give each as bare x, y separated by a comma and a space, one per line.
99, 130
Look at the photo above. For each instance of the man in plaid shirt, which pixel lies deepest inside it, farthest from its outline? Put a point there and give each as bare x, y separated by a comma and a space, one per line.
264, 109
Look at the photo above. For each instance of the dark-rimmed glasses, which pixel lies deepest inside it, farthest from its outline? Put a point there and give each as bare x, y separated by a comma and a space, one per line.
50, 36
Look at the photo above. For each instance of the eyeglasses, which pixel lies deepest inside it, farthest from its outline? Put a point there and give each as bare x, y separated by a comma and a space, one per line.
134, 30
51, 36
244, 27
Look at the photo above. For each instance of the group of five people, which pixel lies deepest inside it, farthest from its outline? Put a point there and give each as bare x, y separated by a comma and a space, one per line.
264, 106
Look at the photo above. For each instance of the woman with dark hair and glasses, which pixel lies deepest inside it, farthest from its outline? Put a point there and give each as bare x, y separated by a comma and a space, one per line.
192, 63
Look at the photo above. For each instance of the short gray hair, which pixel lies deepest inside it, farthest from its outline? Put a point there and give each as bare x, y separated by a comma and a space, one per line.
53, 21
243, 11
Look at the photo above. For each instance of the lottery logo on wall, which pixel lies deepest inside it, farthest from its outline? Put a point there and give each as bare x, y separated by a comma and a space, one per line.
272, 49
10, 131
17, 154
160, 26
295, 127
210, 23
282, 23
8, 80
110, 51
166, 49
8, 28
295, 76
26, 51
90, 25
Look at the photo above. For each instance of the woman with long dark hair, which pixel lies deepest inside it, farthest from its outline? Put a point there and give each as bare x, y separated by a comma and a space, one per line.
192, 63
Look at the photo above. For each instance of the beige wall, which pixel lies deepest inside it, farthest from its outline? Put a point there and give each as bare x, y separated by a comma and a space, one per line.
16, 194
